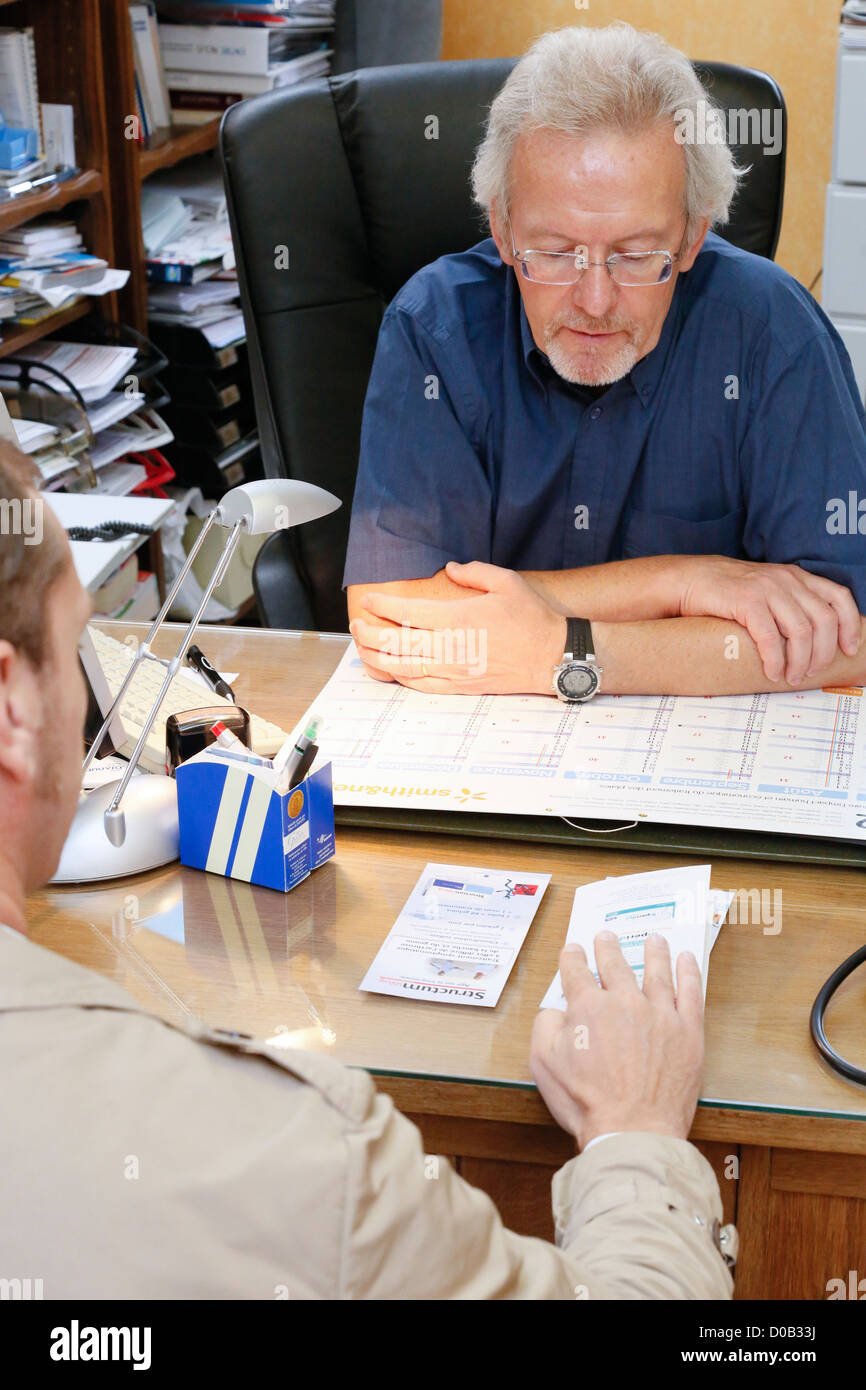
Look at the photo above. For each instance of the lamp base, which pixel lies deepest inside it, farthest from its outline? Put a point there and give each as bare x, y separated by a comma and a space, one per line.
152, 835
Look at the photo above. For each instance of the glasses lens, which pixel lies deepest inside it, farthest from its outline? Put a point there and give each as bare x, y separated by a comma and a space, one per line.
651, 269
552, 268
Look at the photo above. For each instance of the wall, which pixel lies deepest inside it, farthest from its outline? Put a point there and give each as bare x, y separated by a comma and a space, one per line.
794, 40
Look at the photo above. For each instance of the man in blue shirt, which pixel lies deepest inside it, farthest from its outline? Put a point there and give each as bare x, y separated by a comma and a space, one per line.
606, 411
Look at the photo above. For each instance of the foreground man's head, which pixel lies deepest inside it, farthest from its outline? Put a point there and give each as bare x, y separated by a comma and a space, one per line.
43, 609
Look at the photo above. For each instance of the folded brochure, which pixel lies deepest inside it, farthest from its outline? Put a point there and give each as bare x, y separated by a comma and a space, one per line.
458, 935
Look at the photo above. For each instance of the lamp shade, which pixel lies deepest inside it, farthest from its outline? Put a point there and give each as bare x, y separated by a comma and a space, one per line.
274, 504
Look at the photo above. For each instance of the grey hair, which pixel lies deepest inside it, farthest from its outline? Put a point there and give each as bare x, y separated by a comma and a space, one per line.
580, 80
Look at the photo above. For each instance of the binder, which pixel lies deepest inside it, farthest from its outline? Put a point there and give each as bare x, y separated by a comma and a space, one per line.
700, 840
215, 473
188, 347
211, 390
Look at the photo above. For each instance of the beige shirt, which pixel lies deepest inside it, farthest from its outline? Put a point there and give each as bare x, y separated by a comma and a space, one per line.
142, 1161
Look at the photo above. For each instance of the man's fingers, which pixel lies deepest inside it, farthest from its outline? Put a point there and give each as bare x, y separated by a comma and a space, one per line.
842, 601
690, 990
766, 636
796, 627
418, 612
613, 969
658, 980
388, 639
825, 629
477, 574
574, 972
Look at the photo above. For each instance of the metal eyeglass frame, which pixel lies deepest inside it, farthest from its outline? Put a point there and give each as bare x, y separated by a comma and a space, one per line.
617, 258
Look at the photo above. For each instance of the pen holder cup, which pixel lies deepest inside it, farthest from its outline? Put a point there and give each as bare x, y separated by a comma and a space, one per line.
234, 822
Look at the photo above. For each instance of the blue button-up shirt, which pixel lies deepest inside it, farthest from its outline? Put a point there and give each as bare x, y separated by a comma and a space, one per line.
741, 433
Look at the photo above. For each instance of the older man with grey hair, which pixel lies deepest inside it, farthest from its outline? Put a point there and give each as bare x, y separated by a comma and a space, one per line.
605, 438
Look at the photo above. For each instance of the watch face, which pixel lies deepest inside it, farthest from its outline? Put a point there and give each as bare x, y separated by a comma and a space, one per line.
577, 682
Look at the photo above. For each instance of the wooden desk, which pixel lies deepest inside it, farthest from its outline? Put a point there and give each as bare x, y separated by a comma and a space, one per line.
786, 1136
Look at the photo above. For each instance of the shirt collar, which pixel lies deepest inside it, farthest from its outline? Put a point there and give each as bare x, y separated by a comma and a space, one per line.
644, 376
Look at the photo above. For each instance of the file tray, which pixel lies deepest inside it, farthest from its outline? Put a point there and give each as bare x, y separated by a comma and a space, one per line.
233, 822
705, 840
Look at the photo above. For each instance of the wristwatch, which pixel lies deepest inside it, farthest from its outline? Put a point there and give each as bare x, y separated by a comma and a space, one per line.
578, 676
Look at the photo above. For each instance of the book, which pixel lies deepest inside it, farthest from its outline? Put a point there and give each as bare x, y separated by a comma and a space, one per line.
180, 273
151, 87
69, 268
35, 236
19, 88
228, 48
58, 134
188, 116
312, 64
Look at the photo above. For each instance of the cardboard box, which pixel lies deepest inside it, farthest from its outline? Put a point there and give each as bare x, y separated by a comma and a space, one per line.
233, 821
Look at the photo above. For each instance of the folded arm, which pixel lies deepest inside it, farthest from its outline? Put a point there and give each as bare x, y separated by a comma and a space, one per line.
698, 625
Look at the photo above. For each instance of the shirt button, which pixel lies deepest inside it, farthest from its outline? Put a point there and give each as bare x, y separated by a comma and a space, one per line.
595, 412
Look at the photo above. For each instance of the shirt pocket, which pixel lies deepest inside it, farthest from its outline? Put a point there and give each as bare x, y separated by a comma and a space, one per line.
653, 533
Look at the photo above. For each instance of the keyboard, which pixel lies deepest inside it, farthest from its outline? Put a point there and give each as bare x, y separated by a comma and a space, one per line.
183, 694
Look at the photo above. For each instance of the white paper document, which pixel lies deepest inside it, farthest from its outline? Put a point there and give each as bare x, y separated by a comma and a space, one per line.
458, 935
790, 763
677, 904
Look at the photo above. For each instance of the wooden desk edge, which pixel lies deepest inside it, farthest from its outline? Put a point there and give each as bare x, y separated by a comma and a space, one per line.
513, 1106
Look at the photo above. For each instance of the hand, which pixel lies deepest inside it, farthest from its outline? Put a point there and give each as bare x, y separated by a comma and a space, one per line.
795, 619
502, 638
636, 1062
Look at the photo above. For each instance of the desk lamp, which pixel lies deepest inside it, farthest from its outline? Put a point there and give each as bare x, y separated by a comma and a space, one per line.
110, 840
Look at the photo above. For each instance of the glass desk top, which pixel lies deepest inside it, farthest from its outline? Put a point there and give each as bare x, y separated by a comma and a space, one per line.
287, 967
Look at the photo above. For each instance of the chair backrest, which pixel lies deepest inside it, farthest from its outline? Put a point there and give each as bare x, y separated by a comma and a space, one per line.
341, 189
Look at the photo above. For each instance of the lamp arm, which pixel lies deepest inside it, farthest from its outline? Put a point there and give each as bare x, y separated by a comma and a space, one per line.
144, 646
115, 828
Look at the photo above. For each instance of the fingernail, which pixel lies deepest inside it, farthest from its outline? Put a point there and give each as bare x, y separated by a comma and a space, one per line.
656, 940
573, 946
606, 936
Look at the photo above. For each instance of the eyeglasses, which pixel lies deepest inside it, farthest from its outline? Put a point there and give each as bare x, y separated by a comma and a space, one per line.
633, 268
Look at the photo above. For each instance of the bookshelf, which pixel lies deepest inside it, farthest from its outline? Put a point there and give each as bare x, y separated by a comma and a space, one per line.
131, 163
70, 64
84, 58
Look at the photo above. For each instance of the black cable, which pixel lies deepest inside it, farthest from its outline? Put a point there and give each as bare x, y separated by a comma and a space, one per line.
107, 531
816, 1018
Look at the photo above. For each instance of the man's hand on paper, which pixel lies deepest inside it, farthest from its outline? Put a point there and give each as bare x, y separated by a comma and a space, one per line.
797, 620
620, 1058
502, 638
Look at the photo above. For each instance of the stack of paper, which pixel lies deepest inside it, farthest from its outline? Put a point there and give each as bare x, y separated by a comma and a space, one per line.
183, 265
93, 368
119, 419
677, 904
43, 268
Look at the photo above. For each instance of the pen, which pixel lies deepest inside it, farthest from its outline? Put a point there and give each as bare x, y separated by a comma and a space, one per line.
197, 659
14, 190
291, 756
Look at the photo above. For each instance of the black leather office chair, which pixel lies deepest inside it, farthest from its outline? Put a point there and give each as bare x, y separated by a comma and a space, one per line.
339, 176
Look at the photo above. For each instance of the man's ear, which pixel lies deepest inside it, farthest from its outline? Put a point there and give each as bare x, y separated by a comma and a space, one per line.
500, 233
19, 714
687, 259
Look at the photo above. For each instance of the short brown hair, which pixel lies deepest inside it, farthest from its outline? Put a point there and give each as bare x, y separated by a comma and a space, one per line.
27, 572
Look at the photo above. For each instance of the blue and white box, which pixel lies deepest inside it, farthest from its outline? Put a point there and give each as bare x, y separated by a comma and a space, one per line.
233, 821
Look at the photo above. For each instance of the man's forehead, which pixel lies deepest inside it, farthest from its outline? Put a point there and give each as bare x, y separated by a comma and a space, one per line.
606, 173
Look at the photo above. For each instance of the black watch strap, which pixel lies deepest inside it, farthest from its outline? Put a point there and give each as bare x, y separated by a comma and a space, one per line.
578, 640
